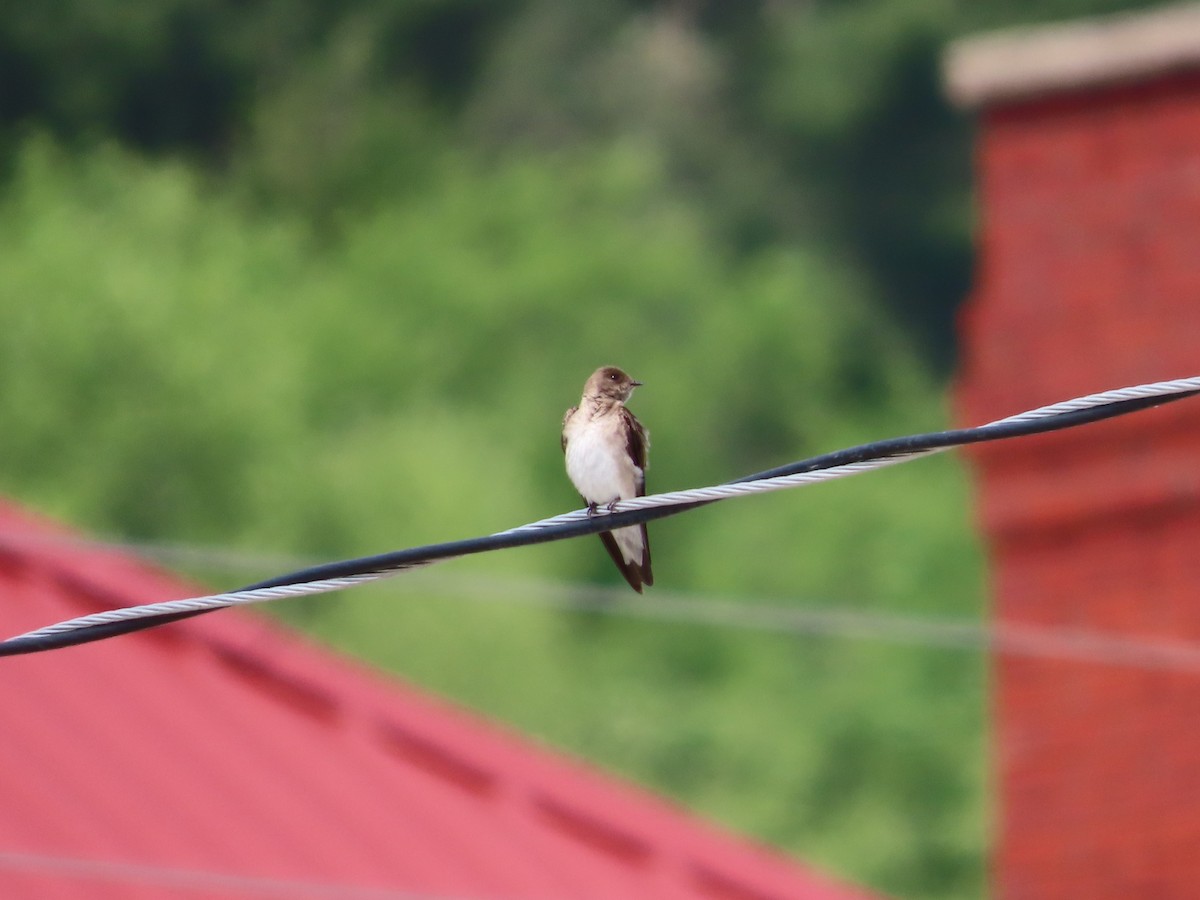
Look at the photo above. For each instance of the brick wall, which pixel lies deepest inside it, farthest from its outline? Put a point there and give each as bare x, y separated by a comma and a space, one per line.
1088, 279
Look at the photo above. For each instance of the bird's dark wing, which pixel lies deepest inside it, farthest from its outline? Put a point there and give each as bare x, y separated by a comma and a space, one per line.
637, 445
570, 412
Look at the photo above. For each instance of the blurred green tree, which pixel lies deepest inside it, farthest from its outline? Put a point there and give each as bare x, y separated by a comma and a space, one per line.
790, 122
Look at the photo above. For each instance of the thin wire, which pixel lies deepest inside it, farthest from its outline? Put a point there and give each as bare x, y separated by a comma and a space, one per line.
852, 461
145, 874
755, 614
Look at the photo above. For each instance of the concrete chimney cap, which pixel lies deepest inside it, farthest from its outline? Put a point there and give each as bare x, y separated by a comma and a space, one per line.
1026, 62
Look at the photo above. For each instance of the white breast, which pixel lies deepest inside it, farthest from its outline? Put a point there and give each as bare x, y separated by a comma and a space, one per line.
598, 462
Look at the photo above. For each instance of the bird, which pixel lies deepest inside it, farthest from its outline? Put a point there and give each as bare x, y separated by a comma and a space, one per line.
606, 451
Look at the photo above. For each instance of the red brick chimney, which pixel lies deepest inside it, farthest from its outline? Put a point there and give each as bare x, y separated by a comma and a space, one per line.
1088, 162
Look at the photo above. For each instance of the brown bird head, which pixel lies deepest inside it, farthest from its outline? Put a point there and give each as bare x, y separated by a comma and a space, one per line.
610, 383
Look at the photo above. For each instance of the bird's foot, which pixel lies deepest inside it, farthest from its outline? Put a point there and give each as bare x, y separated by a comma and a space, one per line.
592, 509
612, 505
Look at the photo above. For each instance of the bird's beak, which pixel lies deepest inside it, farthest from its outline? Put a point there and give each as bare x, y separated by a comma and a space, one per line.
636, 383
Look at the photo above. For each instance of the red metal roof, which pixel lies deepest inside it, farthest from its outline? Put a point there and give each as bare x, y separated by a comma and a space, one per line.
225, 757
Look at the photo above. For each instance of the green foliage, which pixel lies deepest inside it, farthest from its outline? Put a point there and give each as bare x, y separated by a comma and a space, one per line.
804, 122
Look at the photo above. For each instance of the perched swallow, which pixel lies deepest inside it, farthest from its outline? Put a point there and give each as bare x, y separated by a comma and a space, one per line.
606, 449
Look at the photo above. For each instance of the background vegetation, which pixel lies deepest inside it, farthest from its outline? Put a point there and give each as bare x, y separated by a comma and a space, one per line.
319, 279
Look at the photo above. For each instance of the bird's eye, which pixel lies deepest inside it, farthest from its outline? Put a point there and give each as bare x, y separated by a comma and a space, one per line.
612, 376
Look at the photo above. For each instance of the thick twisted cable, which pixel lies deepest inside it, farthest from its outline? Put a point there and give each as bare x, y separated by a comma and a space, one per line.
854, 460
326, 585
